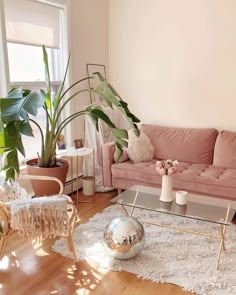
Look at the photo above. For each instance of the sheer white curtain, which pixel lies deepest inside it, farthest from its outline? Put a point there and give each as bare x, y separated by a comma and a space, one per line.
95, 140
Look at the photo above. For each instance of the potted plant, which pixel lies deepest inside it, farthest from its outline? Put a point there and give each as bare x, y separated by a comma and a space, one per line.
20, 107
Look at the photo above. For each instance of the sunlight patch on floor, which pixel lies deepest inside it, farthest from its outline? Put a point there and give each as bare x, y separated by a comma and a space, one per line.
40, 252
36, 243
98, 273
29, 264
4, 263
37, 246
92, 287
54, 292
102, 270
82, 292
101, 260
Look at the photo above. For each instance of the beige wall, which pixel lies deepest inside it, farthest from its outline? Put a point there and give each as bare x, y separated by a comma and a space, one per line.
175, 61
89, 44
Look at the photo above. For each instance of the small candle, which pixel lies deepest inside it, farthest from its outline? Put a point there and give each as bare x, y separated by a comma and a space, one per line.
181, 197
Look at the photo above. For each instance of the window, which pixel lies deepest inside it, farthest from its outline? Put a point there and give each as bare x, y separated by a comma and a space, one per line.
26, 63
29, 25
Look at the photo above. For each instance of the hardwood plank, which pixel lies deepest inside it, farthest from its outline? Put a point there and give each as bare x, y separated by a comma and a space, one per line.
30, 267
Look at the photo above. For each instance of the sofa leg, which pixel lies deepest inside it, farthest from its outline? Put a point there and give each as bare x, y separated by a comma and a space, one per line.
120, 190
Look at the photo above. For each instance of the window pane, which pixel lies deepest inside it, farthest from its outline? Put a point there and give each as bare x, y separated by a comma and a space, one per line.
26, 63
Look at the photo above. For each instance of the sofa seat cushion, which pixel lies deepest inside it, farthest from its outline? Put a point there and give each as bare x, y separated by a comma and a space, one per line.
198, 178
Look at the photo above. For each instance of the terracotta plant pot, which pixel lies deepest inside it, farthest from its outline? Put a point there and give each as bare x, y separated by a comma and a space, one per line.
47, 188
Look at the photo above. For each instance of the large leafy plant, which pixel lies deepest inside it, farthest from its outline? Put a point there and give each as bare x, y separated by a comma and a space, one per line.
20, 107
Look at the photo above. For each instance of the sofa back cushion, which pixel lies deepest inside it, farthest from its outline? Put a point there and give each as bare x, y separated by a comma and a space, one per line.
225, 149
192, 145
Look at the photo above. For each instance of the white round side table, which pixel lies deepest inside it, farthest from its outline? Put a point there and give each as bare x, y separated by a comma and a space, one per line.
88, 181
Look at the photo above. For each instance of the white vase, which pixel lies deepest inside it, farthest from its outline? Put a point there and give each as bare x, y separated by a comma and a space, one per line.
166, 189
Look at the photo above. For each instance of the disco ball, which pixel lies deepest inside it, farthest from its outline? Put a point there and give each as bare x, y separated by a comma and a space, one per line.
124, 237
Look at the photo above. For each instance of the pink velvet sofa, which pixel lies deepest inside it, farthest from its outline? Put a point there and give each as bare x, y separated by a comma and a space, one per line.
207, 161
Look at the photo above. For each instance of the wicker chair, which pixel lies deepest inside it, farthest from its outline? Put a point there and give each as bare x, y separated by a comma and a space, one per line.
5, 217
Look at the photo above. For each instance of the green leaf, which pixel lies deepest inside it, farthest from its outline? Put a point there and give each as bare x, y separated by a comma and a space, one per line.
122, 133
110, 97
101, 115
101, 87
97, 75
18, 92
101, 78
133, 117
47, 79
10, 174
12, 168
47, 74
19, 145
118, 152
2, 141
11, 128
48, 100
122, 142
26, 92
107, 94
15, 93
124, 104
26, 129
24, 115
108, 102
59, 92
13, 138
11, 108
34, 101
94, 120
136, 131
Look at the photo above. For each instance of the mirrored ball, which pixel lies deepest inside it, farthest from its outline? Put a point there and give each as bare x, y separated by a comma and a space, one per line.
124, 237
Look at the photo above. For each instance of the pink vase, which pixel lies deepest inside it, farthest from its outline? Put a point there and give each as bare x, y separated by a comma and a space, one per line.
166, 189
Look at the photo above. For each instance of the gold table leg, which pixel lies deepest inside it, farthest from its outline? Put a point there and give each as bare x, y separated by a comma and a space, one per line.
222, 242
222, 234
132, 207
123, 207
135, 199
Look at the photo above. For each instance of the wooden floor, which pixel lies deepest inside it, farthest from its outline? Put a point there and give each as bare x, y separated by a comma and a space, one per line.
31, 268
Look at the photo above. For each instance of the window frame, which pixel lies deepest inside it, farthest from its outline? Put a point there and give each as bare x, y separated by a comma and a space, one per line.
5, 82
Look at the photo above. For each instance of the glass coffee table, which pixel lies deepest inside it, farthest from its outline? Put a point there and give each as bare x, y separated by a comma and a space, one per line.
208, 209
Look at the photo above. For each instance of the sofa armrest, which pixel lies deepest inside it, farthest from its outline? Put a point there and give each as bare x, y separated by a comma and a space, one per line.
108, 150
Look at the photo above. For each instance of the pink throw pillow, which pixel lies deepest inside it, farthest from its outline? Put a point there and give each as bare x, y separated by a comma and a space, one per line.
225, 149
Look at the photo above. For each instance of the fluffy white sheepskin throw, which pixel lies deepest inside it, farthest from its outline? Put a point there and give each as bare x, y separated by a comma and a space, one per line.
11, 191
140, 149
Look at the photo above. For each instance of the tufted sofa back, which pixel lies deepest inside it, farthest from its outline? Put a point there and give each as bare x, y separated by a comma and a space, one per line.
192, 145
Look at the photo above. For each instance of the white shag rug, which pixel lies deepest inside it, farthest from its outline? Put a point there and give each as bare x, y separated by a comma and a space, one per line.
168, 256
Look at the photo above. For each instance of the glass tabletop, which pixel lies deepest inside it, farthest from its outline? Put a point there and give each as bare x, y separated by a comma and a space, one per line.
198, 207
